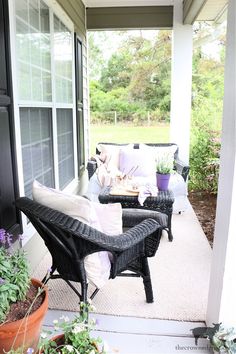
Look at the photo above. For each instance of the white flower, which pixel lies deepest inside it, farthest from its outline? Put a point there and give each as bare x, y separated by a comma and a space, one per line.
92, 308
55, 321
65, 318
93, 321
69, 348
43, 335
77, 329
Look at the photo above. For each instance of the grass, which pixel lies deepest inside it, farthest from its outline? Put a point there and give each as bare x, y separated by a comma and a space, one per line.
123, 133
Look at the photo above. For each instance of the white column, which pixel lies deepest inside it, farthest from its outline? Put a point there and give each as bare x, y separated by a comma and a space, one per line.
181, 82
222, 291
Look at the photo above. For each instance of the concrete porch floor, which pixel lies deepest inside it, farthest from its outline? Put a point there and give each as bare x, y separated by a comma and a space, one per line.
133, 335
129, 335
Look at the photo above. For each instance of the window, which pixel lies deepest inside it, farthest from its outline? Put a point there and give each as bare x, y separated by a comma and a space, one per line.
63, 62
36, 140
44, 62
33, 51
65, 146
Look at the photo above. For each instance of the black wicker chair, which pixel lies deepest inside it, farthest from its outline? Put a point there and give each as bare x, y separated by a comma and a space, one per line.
69, 241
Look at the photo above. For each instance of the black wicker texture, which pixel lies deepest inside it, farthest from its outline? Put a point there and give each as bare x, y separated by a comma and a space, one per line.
69, 241
91, 167
163, 203
179, 165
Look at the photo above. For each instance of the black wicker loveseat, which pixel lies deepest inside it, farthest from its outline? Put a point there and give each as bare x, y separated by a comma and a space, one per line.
69, 241
181, 167
178, 180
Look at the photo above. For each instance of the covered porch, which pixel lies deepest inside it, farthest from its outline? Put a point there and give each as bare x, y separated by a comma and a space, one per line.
166, 335
220, 301
220, 297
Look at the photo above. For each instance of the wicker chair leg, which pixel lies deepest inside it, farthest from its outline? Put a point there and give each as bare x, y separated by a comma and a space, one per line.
47, 277
84, 288
148, 289
147, 281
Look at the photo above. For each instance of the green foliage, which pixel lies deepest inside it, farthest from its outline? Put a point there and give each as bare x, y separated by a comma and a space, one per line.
222, 339
204, 149
121, 133
164, 164
117, 72
14, 278
208, 86
136, 79
77, 335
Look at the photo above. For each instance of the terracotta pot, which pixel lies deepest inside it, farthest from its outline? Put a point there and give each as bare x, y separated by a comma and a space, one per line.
59, 339
26, 331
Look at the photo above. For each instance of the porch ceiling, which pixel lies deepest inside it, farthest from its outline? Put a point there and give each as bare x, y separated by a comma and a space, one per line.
204, 10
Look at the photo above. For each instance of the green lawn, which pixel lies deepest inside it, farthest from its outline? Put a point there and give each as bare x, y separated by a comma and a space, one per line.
127, 134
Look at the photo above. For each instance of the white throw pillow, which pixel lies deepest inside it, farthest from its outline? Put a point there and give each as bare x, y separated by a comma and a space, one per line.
110, 217
105, 218
137, 162
160, 153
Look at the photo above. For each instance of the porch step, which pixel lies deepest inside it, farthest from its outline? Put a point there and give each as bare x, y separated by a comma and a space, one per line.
128, 335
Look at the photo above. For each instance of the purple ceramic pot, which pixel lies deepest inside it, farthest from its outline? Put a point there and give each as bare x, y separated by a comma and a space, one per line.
162, 181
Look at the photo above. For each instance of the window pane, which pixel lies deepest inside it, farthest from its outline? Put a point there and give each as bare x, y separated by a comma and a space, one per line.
65, 146
33, 48
37, 154
63, 62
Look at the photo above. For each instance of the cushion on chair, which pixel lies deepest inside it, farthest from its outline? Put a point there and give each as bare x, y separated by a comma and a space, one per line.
160, 152
131, 158
105, 218
112, 153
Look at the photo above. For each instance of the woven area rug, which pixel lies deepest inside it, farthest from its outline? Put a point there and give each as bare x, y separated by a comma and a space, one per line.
180, 278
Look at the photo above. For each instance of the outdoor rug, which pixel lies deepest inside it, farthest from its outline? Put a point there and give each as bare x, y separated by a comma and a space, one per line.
180, 278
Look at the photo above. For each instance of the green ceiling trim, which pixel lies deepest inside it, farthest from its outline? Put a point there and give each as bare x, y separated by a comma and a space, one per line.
100, 18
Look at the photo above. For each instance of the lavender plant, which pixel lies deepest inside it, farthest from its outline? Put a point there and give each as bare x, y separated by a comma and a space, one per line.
14, 274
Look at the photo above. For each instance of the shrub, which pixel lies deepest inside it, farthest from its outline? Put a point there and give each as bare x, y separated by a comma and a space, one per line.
204, 151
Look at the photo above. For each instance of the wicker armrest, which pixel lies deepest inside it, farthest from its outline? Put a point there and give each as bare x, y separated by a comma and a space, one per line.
182, 168
110, 243
133, 216
106, 242
91, 167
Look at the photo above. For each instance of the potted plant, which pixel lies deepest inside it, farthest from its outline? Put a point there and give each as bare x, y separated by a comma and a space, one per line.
222, 339
164, 167
23, 301
75, 336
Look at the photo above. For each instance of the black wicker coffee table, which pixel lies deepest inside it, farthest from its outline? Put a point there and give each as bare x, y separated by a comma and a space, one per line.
163, 203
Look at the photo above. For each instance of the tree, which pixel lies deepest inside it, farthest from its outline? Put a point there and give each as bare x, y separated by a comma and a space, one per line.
117, 72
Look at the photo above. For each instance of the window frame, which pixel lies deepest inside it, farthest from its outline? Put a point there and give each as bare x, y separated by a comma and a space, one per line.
54, 9
79, 83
